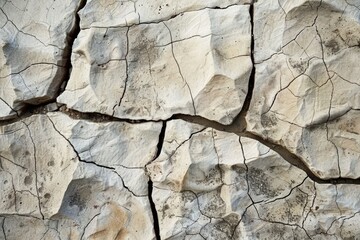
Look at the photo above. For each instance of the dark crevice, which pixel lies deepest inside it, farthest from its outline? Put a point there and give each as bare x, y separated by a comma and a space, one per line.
153, 210
161, 140
151, 185
240, 120
70, 38
298, 162
99, 117
32, 106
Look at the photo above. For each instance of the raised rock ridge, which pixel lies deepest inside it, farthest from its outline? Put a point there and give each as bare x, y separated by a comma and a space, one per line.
232, 119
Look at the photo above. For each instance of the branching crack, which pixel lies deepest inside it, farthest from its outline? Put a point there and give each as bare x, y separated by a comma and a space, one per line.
178, 66
35, 170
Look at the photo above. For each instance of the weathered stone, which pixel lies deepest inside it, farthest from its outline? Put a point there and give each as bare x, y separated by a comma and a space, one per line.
151, 133
34, 44
84, 161
306, 94
104, 14
217, 185
153, 71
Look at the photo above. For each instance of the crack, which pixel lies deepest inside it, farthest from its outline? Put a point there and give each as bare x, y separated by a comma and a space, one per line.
127, 70
153, 210
167, 18
178, 66
70, 39
188, 38
33, 64
311, 207
288, 194
125, 186
9, 160
83, 233
298, 162
25, 33
35, 169
3, 228
151, 184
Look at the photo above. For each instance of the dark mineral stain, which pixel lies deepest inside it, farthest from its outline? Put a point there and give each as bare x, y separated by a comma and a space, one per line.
28, 180
332, 45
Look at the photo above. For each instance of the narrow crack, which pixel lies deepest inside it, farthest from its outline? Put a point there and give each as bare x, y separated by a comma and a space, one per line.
83, 233
35, 170
126, 70
179, 69
3, 228
74, 149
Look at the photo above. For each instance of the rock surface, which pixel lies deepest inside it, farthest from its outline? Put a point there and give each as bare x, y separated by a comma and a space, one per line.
35, 38
232, 119
84, 161
307, 83
215, 185
155, 70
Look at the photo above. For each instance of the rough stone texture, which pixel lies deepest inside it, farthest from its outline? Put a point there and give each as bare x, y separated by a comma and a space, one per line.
71, 173
307, 83
215, 185
189, 120
196, 63
34, 42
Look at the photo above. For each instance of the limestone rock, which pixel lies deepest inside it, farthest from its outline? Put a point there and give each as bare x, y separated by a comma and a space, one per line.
134, 120
122, 146
216, 185
65, 175
152, 71
306, 94
104, 14
34, 49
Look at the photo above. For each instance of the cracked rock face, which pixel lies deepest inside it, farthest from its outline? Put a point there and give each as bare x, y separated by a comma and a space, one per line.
216, 185
307, 84
155, 70
179, 120
34, 49
97, 170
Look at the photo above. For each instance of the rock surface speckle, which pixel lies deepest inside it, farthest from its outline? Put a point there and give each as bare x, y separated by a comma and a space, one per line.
182, 120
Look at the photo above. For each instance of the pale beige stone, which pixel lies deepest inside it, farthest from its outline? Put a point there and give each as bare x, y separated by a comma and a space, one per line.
217, 185
34, 39
306, 94
122, 146
113, 13
68, 171
152, 71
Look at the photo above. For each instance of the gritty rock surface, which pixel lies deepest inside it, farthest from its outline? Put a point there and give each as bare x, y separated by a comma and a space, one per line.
216, 185
84, 161
307, 84
155, 70
34, 48
194, 119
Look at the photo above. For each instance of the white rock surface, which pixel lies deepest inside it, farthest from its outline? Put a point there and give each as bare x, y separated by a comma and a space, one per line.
216, 185
104, 14
33, 45
142, 143
306, 95
154, 70
94, 197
